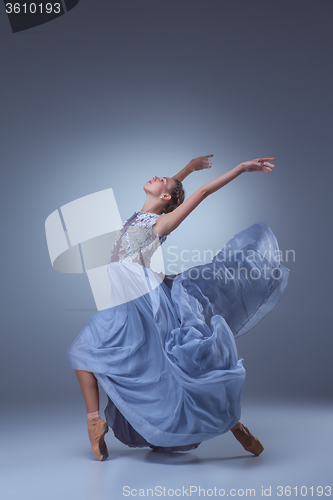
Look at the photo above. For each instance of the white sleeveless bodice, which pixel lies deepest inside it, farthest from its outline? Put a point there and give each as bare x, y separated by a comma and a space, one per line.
136, 240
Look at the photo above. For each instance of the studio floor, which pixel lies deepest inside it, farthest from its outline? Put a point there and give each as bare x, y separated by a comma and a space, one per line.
45, 455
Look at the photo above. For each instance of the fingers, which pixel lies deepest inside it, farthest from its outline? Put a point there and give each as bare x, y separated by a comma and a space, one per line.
266, 165
264, 159
207, 163
204, 158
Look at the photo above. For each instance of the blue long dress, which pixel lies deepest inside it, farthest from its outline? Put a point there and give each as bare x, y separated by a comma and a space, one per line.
164, 350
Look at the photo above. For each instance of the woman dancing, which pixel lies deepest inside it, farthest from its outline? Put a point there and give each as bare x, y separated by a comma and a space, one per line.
163, 349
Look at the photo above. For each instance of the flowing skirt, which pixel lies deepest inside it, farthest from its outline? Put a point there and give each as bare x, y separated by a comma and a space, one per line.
165, 351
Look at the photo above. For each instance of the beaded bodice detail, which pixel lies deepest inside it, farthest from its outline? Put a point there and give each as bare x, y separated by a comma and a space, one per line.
136, 240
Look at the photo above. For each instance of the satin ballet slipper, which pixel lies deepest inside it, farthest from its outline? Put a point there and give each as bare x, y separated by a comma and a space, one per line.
97, 428
246, 439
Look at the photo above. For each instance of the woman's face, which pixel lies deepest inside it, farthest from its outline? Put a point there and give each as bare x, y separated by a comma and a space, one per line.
159, 185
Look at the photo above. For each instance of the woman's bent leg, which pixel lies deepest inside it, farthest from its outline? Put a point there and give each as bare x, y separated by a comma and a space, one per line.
89, 388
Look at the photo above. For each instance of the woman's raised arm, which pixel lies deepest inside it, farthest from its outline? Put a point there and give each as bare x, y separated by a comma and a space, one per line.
167, 223
259, 164
198, 163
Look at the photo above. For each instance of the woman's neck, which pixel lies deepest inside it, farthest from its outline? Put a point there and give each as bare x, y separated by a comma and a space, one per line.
151, 209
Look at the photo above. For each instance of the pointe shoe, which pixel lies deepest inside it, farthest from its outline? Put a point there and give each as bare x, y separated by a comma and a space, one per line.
97, 428
246, 439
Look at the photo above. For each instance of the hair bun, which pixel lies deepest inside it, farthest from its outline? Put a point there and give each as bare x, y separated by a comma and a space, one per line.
177, 197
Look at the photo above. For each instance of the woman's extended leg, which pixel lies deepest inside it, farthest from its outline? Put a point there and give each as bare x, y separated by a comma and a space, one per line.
97, 427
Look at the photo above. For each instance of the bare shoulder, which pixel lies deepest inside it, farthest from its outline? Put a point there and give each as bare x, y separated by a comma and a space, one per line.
167, 223
157, 230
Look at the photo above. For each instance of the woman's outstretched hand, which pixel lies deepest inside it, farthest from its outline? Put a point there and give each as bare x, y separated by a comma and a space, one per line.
200, 163
259, 164
196, 164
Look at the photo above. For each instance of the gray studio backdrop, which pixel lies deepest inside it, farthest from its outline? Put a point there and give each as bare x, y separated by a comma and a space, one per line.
113, 93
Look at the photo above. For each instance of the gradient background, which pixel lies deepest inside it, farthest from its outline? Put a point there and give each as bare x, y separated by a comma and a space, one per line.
113, 93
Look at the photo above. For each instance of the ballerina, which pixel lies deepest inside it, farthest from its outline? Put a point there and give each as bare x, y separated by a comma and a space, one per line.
164, 350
